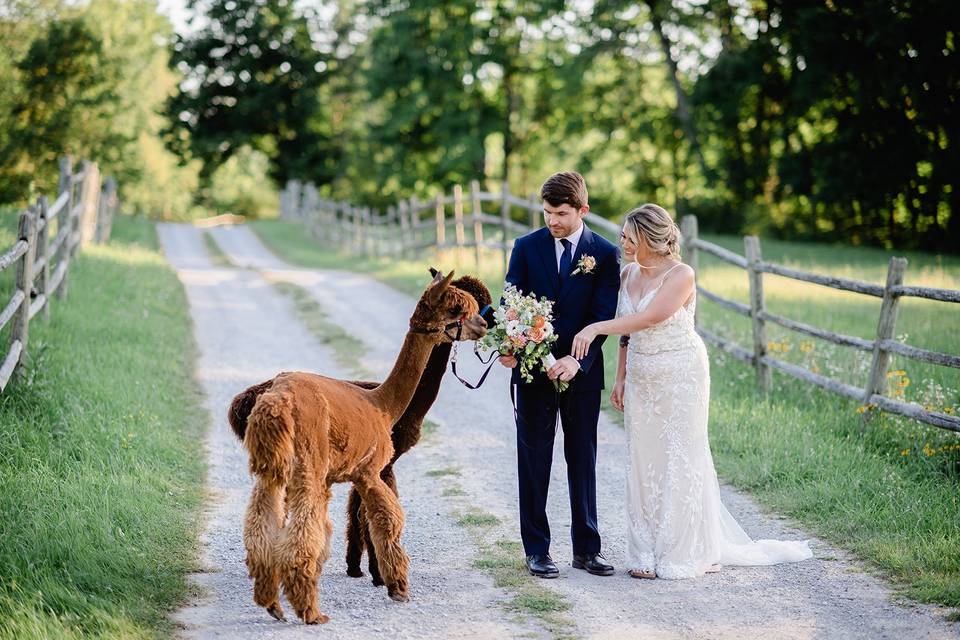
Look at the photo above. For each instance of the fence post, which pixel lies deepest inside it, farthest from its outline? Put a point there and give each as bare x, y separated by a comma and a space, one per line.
24, 282
87, 222
477, 222
441, 223
688, 229
458, 220
108, 205
886, 326
751, 245
505, 222
535, 210
43, 239
412, 234
64, 221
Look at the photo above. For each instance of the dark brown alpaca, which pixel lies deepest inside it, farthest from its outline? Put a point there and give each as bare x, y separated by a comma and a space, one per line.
305, 432
404, 436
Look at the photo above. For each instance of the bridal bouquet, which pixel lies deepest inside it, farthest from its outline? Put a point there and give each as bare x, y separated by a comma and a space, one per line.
522, 328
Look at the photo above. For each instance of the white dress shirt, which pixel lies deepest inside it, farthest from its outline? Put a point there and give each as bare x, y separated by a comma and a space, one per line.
574, 239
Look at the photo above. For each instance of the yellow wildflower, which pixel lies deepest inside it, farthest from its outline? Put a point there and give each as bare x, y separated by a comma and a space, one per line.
905, 452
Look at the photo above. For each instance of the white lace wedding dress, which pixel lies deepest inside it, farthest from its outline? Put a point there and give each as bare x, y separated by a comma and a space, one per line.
677, 525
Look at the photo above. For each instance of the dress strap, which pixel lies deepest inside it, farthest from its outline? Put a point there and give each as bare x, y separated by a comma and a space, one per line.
666, 273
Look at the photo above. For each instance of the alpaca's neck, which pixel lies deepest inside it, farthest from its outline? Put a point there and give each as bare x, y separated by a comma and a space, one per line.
393, 396
429, 386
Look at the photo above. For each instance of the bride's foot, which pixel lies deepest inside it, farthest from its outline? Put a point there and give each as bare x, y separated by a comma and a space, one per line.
642, 574
714, 568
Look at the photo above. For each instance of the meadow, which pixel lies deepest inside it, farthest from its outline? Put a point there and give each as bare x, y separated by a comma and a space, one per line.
100, 472
885, 490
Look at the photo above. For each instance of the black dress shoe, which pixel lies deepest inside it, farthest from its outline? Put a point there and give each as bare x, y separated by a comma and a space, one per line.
542, 566
593, 563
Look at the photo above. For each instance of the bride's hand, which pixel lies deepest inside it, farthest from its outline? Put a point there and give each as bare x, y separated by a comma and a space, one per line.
581, 342
616, 396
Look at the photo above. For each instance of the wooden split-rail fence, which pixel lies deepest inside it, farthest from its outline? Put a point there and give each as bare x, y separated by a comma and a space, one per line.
881, 347
412, 226
48, 238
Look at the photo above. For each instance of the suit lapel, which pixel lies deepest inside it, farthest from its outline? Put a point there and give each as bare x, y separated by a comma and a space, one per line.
548, 255
584, 247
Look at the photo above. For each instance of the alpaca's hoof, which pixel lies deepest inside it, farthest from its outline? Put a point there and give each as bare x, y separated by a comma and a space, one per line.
377, 581
315, 617
354, 572
398, 596
276, 611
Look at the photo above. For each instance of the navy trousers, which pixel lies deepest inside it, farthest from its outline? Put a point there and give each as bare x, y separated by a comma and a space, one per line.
537, 408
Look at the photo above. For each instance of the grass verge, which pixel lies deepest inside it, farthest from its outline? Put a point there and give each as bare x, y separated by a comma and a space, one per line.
347, 350
888, 492
100, 469
502, 560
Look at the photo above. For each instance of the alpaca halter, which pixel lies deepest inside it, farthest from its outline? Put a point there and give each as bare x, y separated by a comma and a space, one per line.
445, 329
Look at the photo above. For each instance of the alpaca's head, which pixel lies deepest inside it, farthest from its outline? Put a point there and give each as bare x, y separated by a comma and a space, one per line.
475, 288
444, 310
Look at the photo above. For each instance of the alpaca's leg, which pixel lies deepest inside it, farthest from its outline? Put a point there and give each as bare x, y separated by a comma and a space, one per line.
261, 531
391, 479
305, 543
385, 519
356, 526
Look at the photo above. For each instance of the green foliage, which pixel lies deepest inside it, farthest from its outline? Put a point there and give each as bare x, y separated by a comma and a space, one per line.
251, 78
64, 86
88, 80
100, 472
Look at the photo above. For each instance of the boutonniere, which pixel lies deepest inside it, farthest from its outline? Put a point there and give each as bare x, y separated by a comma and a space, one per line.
586, 264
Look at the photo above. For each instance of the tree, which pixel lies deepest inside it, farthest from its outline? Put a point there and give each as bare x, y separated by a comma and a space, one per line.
62, 106
251, 77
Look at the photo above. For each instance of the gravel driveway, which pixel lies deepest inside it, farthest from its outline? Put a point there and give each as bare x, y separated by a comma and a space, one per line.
247, 332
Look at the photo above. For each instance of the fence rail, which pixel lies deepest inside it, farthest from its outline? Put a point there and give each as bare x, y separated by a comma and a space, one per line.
873, 395
410, 226
48, 237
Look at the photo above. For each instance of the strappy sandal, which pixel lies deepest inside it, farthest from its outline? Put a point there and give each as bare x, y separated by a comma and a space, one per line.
642, 574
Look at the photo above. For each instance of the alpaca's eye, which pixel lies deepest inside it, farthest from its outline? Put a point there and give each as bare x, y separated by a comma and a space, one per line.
456, 311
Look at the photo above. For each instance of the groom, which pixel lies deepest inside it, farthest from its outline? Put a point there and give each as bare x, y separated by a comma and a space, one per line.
580, 272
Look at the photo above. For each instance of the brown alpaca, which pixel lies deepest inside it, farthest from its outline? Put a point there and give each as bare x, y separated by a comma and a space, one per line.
307, 432
404, 435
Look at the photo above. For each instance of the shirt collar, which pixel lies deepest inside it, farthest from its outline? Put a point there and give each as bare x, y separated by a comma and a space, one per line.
574, 238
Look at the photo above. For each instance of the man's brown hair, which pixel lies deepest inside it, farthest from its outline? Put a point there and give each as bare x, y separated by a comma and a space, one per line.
566, 187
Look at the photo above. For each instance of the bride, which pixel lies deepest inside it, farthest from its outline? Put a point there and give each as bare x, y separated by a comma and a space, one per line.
677, 525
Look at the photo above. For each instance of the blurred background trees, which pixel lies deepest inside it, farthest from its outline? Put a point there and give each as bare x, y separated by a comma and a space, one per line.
832, 120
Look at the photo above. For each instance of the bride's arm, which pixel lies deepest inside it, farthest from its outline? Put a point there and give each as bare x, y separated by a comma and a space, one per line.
675, 291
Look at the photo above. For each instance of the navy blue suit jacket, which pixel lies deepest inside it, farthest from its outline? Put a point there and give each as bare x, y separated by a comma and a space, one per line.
583, 299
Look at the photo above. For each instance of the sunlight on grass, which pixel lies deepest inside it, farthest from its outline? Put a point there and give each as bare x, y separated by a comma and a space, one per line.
100, 472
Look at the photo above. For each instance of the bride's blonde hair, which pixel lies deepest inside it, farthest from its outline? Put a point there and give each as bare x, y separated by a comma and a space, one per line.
651, 224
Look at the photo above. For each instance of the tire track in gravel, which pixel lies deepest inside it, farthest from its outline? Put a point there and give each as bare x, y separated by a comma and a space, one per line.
824, 598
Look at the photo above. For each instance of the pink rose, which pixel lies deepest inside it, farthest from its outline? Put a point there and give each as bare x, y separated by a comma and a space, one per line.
512, 315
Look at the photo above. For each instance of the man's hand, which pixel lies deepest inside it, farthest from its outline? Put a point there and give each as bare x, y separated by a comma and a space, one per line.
508, 361
565, 368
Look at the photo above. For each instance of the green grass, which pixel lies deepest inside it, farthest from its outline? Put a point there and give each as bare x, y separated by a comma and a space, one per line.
100, 468
888, 492
347, 350
216, 253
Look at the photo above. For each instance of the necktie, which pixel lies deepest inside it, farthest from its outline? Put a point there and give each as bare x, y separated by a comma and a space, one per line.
565, 259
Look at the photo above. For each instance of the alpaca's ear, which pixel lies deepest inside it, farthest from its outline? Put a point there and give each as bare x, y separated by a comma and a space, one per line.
433, 272
440, 285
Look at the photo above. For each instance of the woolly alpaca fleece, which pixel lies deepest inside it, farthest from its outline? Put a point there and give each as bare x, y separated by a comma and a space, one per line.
305, 432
